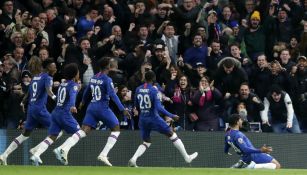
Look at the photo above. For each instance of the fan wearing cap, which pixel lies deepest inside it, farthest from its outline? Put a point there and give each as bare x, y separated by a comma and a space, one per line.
234, 37
255, 35
162, 57
26, 80
197, 74
300, 77
158, 53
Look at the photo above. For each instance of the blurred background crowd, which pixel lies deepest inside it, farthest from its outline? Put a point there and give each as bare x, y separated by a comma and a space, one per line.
212, 57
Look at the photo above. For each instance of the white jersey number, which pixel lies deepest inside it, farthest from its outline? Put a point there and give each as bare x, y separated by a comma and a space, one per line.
62, 95
96, 92
34, 88
144, 101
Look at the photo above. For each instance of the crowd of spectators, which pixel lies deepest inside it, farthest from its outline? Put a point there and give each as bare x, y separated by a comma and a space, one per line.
212, 57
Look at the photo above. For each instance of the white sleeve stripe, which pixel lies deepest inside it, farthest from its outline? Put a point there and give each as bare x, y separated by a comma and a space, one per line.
289, 106
264, 113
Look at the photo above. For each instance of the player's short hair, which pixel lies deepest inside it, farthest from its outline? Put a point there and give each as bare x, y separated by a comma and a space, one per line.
104, 63
150, 76
233, 119
70, 71
47, 62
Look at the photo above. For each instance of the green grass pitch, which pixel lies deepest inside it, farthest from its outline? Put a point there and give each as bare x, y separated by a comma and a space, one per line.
86, 170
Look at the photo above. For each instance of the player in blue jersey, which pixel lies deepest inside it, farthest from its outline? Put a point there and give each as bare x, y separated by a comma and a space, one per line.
61, 117
148, 103
251, 157
98, 92
39, 89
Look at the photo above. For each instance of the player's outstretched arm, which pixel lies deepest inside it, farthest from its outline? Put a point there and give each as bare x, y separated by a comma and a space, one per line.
50, 93
159, 106
73, 95
226, 147
266, 149
244, 147
114, 97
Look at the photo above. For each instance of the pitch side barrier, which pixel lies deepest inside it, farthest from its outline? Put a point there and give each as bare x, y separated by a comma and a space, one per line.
289, 149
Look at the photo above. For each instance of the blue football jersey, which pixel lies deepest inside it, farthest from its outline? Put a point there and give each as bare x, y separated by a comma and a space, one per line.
147, 100
37, 89
66, 97
100, 90
239, 142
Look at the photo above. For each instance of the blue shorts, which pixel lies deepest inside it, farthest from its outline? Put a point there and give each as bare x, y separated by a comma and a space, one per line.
153, 123
62, 121
35, 116
106, 115
258, 158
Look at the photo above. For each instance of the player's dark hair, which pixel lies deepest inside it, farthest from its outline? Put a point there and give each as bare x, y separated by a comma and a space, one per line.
150, 76
70, 71
275, 88
104, 63
233, 119
47, 62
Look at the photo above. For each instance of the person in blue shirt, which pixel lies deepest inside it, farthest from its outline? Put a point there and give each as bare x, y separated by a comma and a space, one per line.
147, 101
61, 117
39, 89
251, 157
98, 92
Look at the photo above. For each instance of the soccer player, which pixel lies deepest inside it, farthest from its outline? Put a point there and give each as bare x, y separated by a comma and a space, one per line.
39, 89
148, 103
101, 88
250, 156
61, 117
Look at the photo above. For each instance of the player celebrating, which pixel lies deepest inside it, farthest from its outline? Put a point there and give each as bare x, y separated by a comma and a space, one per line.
39, 89
61, 117
148, 103
257, 158
101, 88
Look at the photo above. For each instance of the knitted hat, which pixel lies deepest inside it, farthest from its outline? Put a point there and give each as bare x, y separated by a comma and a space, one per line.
234, 24
255, 15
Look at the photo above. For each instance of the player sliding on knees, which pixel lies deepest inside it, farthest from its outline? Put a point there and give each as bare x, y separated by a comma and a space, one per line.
37, 113
61, 117
148, 103
98, 92
251, 157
